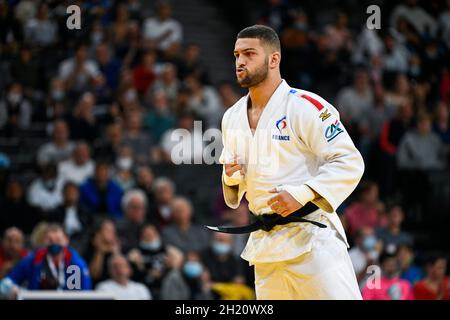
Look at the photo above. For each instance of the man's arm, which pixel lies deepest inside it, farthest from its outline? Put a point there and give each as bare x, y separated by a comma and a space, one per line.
341, 165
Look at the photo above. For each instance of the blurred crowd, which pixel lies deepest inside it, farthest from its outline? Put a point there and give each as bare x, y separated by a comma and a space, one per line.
99, 106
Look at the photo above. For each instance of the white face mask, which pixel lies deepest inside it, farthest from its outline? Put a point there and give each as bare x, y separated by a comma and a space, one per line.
14, 98
124, 163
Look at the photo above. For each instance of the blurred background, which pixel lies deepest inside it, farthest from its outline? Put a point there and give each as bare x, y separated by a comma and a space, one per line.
86, 117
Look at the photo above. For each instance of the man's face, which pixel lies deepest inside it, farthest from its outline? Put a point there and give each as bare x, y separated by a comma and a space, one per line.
56, 237
135, 210
120, 269
252, 62
13, 242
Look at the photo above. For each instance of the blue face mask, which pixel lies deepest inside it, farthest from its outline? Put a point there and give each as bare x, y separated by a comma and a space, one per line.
221, 248
151, 245
192, 269
54, 249
369, 243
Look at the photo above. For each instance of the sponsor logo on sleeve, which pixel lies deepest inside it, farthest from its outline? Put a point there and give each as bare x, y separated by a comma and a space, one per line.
333, 130
324, 115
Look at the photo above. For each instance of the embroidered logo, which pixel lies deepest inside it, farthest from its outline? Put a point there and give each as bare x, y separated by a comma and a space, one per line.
324, 115
333, 130
281, 125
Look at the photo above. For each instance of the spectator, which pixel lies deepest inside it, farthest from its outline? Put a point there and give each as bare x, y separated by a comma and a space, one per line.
108, 65
421, 149
237, 218
275, 14
138, 140
78, 168
409, 270
60, 149
100, 194
220, 261
25, 70
391, 134
228, 95
390, 287
149, 259
197, 277
436, 285
423, 22
75, 220
45, 192
41, 31
392, 235
103, 244
109, 149
159, 119
367, 211
15, 209
164, 190
123, 175
77, 72
441, 124
134, 205
395, 56
183, 234
46, 268
168, 83
163, 31
183, 144
355, 101
12, 250
55, 105
82, 122
144, 74
145, 179
120, 284
173, 286
191, 65
365, 252
338, 35
204, 102
401, 93
15, 110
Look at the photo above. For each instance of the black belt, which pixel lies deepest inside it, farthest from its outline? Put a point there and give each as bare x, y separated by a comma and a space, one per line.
266, 222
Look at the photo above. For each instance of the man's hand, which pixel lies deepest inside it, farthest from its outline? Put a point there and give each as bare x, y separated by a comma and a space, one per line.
231, 168
283, 203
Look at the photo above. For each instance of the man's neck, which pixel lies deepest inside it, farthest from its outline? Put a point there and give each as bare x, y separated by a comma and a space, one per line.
261, 93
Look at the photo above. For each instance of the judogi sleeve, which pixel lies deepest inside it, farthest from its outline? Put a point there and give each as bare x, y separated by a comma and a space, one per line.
340, 165
233, 189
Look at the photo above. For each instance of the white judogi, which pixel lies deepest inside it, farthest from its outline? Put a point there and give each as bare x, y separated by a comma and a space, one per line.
298, 145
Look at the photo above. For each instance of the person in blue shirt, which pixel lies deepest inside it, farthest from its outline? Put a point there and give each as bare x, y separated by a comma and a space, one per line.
56, 266
100, 194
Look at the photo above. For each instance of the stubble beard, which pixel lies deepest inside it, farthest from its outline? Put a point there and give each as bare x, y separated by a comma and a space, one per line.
253, 79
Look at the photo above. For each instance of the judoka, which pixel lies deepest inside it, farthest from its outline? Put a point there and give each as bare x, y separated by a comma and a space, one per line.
288, 152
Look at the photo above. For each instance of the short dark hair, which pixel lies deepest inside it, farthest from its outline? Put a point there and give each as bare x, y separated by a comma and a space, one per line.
266, 34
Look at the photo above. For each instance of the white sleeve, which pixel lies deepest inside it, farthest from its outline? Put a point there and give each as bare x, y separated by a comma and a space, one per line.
233, 188
341, 165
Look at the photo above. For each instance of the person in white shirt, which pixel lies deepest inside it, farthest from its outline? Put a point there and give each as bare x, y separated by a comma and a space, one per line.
287, 150
164, 31
120, 285
79, 167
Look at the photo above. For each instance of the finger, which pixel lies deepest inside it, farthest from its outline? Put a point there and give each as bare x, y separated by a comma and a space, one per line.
274, 190
277, 207
272, 200
285, 213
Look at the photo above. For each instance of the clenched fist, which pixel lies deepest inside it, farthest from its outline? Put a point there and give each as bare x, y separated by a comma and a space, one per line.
283, 203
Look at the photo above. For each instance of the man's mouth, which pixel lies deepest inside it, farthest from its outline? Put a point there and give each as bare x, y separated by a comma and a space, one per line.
240, 71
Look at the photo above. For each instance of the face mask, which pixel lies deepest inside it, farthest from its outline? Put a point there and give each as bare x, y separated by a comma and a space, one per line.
57, 95
54, 249
369, 243
97, 37
49, 184
124, 163
220, 248
151, 245
14, 98
192, 269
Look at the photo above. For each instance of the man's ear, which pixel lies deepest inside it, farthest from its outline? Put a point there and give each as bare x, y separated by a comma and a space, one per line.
274, 60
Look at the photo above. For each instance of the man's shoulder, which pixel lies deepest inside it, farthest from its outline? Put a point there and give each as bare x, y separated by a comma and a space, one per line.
234, 109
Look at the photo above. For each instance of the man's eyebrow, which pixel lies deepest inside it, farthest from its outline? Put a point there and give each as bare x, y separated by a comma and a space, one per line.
244, 50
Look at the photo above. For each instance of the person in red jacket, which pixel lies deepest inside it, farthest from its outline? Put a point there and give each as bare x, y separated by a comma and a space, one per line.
144, 74
436, 285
